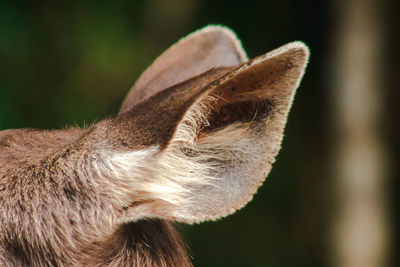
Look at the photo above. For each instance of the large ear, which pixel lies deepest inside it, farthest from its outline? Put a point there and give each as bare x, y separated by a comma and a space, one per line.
223, 145
210, 47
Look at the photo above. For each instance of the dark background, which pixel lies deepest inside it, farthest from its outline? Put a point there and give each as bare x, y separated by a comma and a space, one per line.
72, 62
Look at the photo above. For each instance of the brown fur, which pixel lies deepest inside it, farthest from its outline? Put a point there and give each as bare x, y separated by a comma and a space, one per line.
52, 214
64, 202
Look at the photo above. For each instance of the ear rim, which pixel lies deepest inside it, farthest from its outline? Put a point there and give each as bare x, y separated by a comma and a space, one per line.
226, 30
230, 36
292, 47
284, 49
296, 45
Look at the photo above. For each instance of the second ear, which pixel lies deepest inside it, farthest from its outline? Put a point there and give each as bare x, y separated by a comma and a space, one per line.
210, 47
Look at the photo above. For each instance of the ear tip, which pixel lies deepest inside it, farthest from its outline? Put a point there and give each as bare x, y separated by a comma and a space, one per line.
301, 49
297, 50
226, 32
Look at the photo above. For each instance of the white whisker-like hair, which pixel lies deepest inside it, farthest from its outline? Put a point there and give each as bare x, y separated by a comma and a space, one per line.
189, 161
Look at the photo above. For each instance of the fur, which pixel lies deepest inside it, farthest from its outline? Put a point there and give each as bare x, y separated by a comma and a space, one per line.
191, 149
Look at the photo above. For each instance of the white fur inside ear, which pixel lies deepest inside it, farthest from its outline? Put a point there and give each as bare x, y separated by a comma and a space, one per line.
167, 176
193, 179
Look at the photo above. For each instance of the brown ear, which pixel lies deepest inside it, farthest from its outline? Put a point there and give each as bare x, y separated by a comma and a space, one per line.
210, 47
221, 147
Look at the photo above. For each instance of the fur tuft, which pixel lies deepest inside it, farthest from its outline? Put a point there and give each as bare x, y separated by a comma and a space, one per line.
173, 180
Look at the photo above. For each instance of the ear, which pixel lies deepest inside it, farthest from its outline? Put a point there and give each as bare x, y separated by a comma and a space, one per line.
210, 47
224, 143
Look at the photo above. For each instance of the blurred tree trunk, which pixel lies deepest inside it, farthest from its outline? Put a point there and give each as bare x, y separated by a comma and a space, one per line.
360, 224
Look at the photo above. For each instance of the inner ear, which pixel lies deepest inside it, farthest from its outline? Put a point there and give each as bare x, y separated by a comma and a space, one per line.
249, 96
243, 112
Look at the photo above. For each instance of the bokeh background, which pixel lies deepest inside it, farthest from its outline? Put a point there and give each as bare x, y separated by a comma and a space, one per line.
331, 198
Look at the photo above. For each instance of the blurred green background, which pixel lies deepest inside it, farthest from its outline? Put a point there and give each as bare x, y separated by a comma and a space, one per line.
72, 62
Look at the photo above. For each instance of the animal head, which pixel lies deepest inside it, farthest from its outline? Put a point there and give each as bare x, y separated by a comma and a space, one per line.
194, 139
